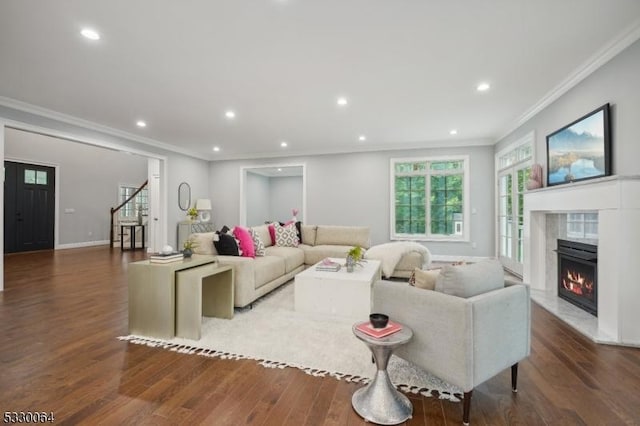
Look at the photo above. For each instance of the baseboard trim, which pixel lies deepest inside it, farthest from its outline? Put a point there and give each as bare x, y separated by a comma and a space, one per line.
83, 244
453, 258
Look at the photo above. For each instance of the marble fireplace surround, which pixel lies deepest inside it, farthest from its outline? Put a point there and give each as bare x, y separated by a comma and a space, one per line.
617, 201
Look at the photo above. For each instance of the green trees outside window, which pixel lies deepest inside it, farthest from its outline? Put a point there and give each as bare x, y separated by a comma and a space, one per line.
429, 197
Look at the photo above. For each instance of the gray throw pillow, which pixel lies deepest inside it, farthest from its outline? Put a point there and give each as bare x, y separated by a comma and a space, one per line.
470, 280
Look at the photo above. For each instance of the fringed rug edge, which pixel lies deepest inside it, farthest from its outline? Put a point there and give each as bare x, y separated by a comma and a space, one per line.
212, 353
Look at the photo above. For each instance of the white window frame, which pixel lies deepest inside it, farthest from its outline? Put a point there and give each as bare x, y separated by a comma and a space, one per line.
512, 263
464, 236
123, 218
582, 222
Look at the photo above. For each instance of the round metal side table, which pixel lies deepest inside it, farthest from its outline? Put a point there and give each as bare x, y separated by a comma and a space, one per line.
379, 401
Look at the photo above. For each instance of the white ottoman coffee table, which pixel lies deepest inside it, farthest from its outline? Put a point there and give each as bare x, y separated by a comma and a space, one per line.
341, 294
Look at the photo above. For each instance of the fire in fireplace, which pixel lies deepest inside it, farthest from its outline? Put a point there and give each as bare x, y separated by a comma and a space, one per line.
578, 274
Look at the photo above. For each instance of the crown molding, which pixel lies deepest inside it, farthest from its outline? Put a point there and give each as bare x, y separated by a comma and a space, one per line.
437, 144
604, 55
90, 125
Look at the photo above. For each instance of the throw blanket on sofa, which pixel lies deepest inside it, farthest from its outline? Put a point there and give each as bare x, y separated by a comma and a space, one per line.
389, 254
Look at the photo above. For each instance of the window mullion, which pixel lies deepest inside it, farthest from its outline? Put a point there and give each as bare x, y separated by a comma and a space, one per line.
427, 202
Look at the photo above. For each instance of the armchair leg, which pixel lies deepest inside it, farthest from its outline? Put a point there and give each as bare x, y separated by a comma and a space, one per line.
466, 404
514, 377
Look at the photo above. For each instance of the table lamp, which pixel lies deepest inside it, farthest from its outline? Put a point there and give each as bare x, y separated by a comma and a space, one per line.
203, 205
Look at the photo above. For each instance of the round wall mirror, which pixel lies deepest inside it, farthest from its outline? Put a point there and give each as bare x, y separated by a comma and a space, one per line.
184, 196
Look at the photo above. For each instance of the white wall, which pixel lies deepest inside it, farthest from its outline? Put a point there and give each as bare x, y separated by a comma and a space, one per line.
258, 193
196, 174
618, 83
285, 195
353, 189
89, 180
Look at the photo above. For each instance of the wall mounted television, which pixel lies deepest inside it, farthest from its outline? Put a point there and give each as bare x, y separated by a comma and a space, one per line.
580, 150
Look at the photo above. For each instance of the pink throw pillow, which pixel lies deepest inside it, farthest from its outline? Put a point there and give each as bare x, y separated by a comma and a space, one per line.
272, 234
246, 242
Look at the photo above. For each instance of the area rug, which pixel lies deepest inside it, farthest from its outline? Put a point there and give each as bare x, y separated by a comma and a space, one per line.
277, 336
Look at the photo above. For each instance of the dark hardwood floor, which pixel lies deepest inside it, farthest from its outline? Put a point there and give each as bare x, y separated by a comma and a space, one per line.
61, 312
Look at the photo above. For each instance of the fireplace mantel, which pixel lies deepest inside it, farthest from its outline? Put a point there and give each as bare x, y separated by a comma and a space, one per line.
617, 201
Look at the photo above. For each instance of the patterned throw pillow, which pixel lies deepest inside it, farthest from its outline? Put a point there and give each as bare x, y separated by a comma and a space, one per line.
258, 245
286, 236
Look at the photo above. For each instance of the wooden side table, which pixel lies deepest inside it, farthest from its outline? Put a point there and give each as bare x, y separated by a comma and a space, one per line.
379, 401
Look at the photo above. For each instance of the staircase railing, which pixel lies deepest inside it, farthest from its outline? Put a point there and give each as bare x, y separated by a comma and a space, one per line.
115, 210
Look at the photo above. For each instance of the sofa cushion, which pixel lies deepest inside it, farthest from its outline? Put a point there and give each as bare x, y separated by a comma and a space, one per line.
472, 279
267, 269
314, 254
308, 233
286, 236
263, 232
258, 245
293, 256
424, 279
245, 241
243, 269
203, 243
343, 235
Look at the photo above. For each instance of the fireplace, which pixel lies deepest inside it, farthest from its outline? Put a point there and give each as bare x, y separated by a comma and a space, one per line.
578, 274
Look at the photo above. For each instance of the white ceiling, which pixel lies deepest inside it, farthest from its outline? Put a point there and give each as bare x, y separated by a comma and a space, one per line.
409, 68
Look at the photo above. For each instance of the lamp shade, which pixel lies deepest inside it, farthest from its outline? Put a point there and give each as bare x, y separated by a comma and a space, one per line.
203, 204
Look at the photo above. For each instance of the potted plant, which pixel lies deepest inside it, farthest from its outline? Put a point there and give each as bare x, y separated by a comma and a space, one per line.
354, 256
192, 213
188, 247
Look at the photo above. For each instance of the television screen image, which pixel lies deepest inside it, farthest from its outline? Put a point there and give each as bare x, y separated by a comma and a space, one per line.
580, 150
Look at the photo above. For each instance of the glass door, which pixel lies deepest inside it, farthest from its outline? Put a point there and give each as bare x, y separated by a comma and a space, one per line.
505, 218
513, 168
511, 186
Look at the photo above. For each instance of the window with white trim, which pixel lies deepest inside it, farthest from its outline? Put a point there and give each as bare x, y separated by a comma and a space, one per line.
430, 198
137, 206
582, 225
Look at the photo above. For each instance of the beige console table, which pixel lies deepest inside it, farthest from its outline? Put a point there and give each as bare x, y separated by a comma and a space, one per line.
168, 299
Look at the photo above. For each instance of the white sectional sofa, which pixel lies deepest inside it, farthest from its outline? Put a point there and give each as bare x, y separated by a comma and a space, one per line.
255, 277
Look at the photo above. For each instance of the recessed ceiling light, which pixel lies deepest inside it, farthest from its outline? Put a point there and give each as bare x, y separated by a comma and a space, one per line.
141, 123
90, 34
453, 132
483, 87
230, 114
216, 149
342, 101
283, 144
362, 138
279, 169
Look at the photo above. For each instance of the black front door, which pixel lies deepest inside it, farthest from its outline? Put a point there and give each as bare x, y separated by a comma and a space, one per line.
29, 207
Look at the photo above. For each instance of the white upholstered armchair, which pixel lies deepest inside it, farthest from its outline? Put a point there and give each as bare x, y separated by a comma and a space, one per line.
462, 340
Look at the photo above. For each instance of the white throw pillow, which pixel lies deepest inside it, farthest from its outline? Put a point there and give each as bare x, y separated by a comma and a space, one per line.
472, 279
424, 279
203, 243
